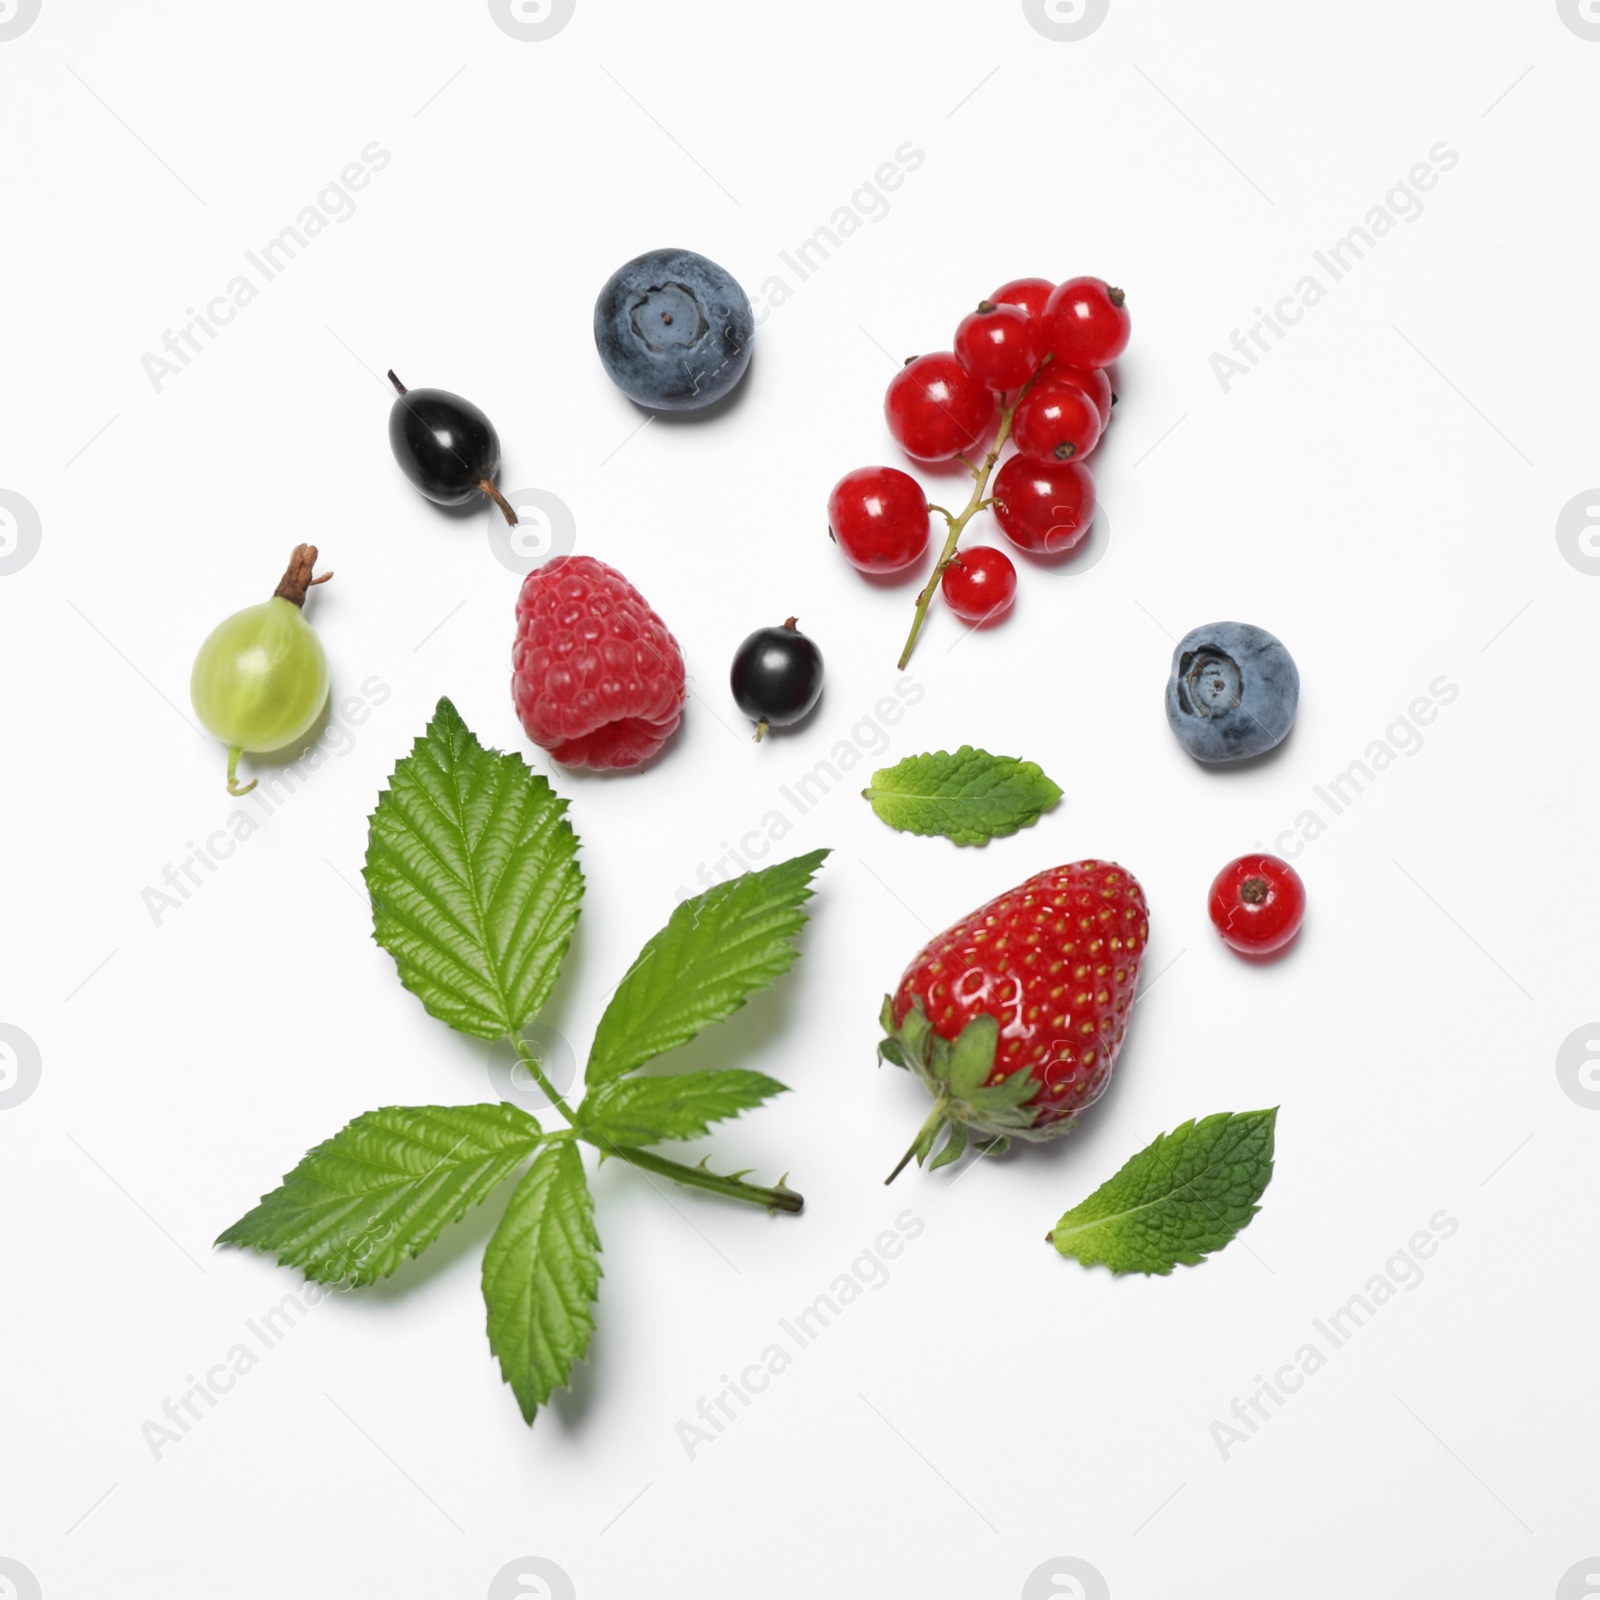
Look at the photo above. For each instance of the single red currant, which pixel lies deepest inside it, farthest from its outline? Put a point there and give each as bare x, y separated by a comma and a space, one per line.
935, 409
878, 517
1257, 904
1086, 323
1094, 382
979, 584
1056, 422
1044, 508
1029, 293
999, 345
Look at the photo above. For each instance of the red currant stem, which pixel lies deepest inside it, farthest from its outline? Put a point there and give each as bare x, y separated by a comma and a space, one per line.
234, 786
971, 509
506, 508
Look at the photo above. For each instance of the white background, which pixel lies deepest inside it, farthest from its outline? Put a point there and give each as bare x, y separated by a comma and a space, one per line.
1381, 491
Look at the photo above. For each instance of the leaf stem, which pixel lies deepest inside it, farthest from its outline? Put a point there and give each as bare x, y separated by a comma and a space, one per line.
531, 1062
781, 1198
957, 524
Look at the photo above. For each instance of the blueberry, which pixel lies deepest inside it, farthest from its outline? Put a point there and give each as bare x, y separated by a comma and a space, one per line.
1233, 691
674, 330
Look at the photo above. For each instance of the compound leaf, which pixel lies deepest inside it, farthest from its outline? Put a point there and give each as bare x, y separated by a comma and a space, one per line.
714, 953
472, 870
540, 1275
385, 1187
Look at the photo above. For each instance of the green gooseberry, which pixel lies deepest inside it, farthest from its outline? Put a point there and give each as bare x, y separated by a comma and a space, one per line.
260, 680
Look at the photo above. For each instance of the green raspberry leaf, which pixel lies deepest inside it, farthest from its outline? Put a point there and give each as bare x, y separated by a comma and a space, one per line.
714, 953
385, 1187
472, 870
540, 1275
1179, 1199
970, 797
639, 1111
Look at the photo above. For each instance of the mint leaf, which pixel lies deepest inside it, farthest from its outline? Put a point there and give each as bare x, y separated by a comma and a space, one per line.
474, 883
715, 951
635, 1111
969, 797
1179, 1199
540, 1274
385, 1187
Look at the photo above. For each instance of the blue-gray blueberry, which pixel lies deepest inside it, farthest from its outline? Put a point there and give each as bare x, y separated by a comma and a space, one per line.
1233, 692
674, 330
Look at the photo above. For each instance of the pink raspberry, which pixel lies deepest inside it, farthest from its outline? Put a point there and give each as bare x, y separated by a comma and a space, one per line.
596, 676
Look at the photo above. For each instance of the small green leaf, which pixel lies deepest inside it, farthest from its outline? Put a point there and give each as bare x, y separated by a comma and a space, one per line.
1179, 1199
894, 1052
916, 1034
636, 1111
969, 797
474, 883
953, 1146
540, 1275
972, 1056
715, 951
385, 1187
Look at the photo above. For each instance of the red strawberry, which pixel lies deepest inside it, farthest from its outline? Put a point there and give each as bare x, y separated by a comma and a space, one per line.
1013, 1018
597, 678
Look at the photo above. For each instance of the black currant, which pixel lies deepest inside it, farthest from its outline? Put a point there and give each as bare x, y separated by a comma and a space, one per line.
445, 446
777, 676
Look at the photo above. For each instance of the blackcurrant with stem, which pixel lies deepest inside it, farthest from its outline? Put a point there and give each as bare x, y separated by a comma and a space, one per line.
777, 676
446, 446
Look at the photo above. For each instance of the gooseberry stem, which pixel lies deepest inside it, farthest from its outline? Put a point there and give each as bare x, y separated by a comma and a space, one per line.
234, 786
975, 504
297, 579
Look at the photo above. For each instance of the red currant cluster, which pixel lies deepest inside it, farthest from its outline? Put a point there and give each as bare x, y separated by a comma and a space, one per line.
1029, 365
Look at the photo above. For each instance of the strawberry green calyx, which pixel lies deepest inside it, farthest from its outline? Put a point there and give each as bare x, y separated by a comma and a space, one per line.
968, 1099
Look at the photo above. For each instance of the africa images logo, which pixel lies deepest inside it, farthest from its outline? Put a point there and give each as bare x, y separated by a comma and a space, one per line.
1578, 532
531, 1578
20, 531
531, 21
1582, 17
1065, 1578
16, 17
21, 1066
1066, 21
